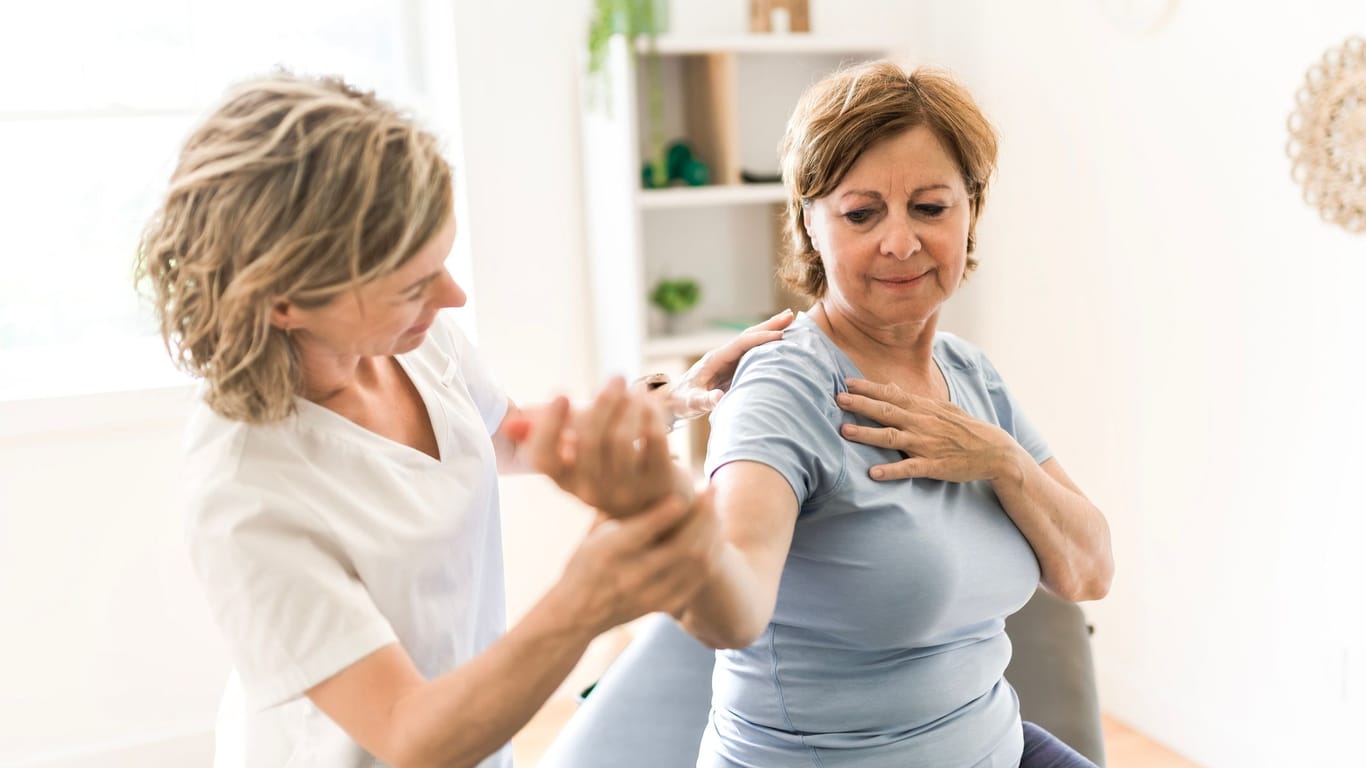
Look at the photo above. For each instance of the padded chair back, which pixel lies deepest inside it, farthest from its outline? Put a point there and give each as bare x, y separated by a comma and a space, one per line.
1052, 671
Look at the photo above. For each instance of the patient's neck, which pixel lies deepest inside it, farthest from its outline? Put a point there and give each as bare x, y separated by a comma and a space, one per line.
887, 353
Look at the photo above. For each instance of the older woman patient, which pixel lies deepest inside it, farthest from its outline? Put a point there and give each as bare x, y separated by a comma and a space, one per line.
878, 534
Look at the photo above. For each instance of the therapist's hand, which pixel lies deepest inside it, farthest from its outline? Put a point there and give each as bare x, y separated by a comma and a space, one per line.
702, 386
653, 561
613, 455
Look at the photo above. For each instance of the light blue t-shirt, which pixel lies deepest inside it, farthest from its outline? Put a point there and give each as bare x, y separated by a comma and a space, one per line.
887, 646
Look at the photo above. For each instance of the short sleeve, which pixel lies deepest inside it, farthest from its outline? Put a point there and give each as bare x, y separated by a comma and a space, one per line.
780, 412
290, 607
1011, 417
488, 396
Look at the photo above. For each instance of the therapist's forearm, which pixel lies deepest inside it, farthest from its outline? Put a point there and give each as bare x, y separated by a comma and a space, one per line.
469, 713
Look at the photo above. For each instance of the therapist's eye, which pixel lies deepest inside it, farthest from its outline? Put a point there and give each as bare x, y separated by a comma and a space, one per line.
860, 216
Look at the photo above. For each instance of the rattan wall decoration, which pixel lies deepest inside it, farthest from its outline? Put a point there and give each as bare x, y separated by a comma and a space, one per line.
1327, 143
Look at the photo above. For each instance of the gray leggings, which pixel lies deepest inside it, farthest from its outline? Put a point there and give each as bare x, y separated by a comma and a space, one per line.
1044, 750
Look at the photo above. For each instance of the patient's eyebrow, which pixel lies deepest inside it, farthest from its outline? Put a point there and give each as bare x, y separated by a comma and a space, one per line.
878, 195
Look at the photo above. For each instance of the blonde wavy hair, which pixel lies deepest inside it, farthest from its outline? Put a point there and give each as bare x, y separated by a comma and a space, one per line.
297, 188
841, 116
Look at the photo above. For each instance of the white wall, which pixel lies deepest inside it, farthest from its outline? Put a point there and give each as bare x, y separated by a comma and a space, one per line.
106, 640
1188, 334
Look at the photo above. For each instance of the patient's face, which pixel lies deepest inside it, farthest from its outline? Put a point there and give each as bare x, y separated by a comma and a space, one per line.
893, 236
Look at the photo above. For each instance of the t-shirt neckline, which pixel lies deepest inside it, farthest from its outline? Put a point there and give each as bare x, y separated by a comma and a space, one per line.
807, 320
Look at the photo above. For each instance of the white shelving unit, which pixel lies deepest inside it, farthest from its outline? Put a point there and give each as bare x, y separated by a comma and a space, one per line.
711, 195
729, 98
795, 42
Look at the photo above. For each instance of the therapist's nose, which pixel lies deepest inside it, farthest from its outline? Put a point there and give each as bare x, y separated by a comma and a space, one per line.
448, 292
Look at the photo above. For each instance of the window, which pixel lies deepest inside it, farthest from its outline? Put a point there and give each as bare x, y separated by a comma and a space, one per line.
97, 99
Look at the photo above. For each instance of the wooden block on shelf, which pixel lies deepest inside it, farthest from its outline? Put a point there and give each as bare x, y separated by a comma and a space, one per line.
761, 15
712, 121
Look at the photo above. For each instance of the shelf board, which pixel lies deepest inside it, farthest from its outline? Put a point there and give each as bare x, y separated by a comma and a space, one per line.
794, 42
713, 195
686, 344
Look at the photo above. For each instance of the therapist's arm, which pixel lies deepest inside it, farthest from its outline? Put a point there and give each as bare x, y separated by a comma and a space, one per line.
624, 569
757, 511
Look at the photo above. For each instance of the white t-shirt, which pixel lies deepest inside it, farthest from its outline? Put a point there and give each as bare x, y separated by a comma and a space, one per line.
318, 541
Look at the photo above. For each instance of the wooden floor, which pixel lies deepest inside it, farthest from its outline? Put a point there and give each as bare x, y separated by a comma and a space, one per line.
1124, 746
1127, 748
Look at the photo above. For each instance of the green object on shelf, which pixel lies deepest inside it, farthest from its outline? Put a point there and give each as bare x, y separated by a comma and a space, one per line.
675, 296
678, 155
650, 178
696, 173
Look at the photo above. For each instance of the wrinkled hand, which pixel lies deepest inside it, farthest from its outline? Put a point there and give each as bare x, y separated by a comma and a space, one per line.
702, 386
613, 455
654, 561
938, 439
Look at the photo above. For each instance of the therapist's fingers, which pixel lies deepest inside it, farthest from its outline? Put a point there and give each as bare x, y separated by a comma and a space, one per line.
653, 561
683, 560
655, 460
621, 454
594, 425
644, 470
651, 526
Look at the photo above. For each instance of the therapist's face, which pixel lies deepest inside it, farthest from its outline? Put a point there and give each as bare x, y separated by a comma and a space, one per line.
386, 316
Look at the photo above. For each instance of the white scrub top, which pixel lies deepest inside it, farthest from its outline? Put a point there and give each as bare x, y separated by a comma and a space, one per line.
318, 541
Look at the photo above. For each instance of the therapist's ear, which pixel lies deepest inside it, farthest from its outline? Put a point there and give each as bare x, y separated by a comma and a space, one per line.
282, 314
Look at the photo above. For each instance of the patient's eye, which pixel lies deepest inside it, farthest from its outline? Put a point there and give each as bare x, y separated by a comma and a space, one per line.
859, 216
930, 210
